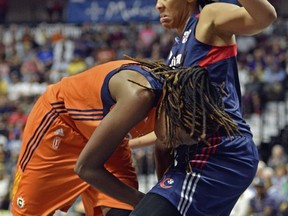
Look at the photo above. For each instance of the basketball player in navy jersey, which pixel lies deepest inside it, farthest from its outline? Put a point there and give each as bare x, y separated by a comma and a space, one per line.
207, 178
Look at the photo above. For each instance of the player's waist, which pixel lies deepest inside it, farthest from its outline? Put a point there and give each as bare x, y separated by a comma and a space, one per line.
201, 151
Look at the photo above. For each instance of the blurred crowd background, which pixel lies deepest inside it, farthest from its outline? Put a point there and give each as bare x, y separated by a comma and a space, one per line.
39, 47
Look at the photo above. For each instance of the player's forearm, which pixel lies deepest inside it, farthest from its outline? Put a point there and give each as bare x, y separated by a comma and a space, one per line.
143, 141
261, 10
163, 159
107, 183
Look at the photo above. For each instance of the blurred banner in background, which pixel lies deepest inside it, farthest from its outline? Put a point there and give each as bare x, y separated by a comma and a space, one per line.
104, 11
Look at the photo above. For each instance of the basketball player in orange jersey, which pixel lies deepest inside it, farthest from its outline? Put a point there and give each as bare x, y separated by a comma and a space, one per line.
62, 123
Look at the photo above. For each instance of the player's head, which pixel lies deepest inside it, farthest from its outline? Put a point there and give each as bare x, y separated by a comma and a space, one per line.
190, 102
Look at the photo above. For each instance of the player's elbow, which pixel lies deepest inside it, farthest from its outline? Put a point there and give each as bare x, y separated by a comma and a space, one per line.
268, 18
82, 171
271, 16
262, 22
78, 169
88, 173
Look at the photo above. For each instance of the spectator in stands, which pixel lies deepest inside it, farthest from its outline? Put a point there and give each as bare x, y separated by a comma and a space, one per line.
262, 203
4, 185
76, 65
45, 56
3, 87
273, 78
147, 34
116, 36
104, 54
279, 188
278, 156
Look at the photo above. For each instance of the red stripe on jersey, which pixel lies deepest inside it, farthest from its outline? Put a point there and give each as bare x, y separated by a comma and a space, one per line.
208, 151
207, 156
219, 53
199, 160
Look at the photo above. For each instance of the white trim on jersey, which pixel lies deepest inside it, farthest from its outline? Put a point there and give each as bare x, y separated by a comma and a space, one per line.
187, 191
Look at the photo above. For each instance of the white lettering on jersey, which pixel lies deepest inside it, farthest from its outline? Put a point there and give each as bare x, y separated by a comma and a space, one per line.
186, 36
176, 60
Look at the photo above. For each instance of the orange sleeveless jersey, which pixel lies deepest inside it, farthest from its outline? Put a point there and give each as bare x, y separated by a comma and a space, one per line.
58, 127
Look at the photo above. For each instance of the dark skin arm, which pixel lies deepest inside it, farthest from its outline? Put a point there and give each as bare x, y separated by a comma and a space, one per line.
163, 158
133, 104
163, 155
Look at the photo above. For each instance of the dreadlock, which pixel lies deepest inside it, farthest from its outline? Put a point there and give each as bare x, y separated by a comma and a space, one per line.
190, 101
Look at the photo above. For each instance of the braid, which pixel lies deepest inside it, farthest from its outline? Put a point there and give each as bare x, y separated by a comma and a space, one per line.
190, 101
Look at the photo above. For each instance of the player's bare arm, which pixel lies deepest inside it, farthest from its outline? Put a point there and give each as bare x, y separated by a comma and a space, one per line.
133, 103
163, 158
220, 21
143, 141
163, 155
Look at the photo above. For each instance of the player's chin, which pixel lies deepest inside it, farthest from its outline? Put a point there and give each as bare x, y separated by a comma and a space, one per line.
166, 25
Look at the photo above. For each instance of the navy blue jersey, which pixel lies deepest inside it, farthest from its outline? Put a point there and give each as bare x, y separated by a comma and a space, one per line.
221, 63
207, 180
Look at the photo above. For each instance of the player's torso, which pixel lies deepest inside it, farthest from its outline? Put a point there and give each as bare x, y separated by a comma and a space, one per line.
84, 100
220, 61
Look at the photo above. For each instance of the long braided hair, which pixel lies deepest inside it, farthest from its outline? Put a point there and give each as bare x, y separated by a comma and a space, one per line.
190, 101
